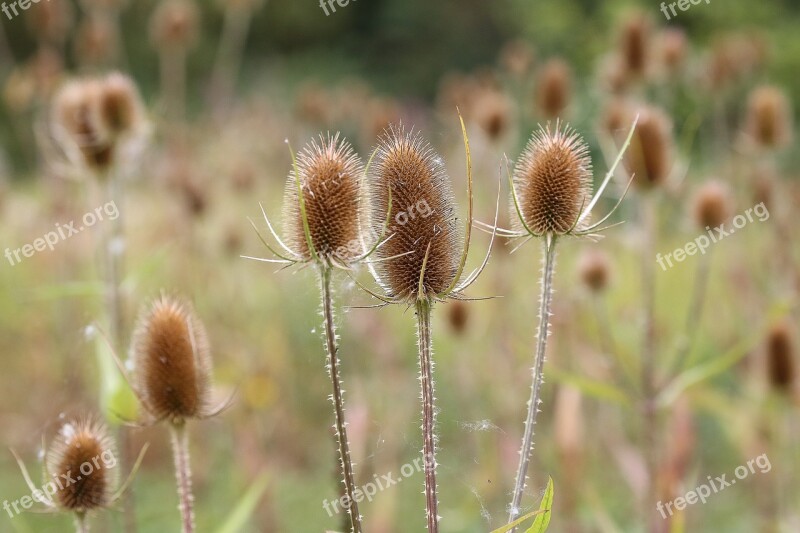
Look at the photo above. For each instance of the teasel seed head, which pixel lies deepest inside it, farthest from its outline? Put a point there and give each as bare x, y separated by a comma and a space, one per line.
120, 105
51, 22
517, 58
77, 123
554, 88
493, 114
175, 24
422, 218
95, 41
595, 270
80, 443
330, 176
650, 154
458, 316
553, 180
172, 362
780, 357
712, 204
674, 49
769, 117
635, 44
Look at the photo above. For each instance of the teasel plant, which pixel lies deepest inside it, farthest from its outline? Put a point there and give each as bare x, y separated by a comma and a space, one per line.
422, 261
170, 372
322, 212
68, 486
551, 197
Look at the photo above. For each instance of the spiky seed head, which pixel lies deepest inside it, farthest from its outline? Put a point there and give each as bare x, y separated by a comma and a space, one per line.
77, 120
712, 204
674, 48
172, 361
554, 89
650, 154
330, 174
422, 215
769, 117
84, 453
635, 43
175, 24
780, 357
595, 270
553, 180
120, 106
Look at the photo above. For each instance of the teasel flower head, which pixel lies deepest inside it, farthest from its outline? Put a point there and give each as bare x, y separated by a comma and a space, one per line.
171, 361
712, 204
175, 24
781, 367
493, 113
594, 268
769, 117
635, 44
82, 469
651, 153
554, 88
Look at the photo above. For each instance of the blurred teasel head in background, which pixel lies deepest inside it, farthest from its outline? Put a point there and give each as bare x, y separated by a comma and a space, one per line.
769, 117
712, 204
651, 152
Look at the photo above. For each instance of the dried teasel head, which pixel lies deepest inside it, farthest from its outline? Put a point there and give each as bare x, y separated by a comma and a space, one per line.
458, 316
769, 117
635, 44
120, 106
594, 268
712, 204
517, 58
51, 22
553, 181
95, 41
171, 362
780, 357
554, 88
409, 187
175, 24
650, 155
674, 49
84, 453
329, 173
493, 114
77, 124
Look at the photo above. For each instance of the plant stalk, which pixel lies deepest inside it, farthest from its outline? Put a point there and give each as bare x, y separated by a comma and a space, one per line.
425, 346
338, 400
183, 474
81, 526
545, 300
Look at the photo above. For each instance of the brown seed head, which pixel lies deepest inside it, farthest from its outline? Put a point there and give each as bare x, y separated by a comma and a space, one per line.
780, 357
422, 216
457, 316
171, 361
769, 117
517, 58
51, 21
712, 204
552, 180
77, 121
84, 453
330, 177
635, 43
95, 41
595, 270
493, 114
650, 153
175, 24
120, 105
674, 48
554, 89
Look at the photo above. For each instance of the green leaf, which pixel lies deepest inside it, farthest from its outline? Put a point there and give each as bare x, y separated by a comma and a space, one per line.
543, 520
590, 387
118, 401
517, 522
241, 513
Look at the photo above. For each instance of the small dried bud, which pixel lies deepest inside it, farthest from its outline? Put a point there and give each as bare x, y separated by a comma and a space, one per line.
554, 90
650, 153
517, 58
595, 270
95, 41
422, 216
51, 22
84, 453
330, 178
769, 117
493, 114
175, 24
780, 357
457, 316
171, 362
552, 180
674, 48
712, 204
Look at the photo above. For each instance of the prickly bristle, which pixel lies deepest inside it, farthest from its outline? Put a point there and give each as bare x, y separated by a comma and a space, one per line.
650, 153
769, 117
712, 204
330, 177
780, 357
120, 108
554, 89
595, 270
552, 180
83, 458
171, 361
422, 215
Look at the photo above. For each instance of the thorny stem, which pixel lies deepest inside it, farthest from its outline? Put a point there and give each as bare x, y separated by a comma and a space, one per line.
183, 474
428, 413
538, 377
337, 399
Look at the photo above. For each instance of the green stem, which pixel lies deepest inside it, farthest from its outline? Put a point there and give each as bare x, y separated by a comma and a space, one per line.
81, 526
538, 376
425, 346
338, 400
